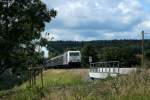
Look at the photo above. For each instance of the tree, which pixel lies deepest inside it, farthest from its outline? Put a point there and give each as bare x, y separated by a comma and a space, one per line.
88, 50
147, 54
125, 55
21, 22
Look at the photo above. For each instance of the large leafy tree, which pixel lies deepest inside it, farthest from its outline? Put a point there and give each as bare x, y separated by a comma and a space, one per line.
21, 22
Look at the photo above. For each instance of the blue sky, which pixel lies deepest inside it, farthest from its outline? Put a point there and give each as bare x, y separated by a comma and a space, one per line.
98, 19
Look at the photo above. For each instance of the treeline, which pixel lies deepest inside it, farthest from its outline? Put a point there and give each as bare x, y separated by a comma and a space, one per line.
128, 52
61, 46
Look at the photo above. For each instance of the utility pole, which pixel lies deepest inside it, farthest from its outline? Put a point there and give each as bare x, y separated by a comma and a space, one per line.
142, 60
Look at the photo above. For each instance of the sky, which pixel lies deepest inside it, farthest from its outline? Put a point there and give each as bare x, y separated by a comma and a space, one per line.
84, 20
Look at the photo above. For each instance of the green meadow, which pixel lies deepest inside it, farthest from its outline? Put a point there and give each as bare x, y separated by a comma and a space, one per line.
74, 84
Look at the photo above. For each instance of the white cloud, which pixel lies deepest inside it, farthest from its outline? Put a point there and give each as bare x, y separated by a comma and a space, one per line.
108, 17
73, 13
146, 25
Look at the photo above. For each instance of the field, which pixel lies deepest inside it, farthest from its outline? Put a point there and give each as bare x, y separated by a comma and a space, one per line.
74, 84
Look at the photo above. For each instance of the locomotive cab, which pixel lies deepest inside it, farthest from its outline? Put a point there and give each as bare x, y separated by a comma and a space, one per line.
74, 58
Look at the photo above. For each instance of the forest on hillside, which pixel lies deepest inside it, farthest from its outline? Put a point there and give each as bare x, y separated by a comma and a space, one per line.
128, 52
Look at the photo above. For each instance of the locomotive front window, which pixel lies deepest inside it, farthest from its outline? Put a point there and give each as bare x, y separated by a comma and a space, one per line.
74, 54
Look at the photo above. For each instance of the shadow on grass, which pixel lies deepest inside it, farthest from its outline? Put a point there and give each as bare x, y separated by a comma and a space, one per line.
9, 80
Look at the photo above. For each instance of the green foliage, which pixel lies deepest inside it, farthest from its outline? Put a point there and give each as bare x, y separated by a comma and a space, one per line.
61, 46
86, 52
147, 54
43, 42
21, 24
51, 54
126, 56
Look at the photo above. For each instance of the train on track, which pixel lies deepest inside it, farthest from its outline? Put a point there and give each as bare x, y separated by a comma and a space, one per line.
67, 59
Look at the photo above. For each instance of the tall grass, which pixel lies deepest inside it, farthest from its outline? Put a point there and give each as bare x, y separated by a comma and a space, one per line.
73, 85
135, 86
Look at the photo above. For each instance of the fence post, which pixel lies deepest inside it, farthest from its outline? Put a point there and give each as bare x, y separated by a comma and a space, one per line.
34, 77
118, 68
42, 76
30, 81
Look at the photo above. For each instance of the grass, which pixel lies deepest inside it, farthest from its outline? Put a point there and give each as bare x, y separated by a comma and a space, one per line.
73, 84
61, 77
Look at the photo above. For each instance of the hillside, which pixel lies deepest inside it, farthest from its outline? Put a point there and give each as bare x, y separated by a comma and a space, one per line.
61, 46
